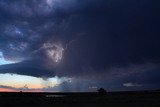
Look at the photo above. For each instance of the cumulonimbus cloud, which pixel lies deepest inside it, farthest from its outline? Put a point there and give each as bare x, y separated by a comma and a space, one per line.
116, 35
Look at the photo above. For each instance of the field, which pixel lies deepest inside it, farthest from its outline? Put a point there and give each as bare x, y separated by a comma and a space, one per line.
84, 99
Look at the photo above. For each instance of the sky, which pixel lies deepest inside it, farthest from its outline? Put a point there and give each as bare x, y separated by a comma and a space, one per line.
79, 45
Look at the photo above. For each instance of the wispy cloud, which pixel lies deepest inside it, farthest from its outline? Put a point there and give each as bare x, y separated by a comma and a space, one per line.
132, 85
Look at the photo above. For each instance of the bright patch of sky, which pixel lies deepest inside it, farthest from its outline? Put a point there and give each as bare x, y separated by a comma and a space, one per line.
20, 81
3, 61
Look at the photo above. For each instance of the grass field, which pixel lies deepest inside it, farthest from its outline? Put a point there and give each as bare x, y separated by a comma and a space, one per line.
85, 99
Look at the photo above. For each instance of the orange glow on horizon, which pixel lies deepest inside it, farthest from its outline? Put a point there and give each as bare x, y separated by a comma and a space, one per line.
7, 90
31, 86
12, 90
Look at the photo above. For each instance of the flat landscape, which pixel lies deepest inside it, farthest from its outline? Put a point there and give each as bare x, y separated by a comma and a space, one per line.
80, 99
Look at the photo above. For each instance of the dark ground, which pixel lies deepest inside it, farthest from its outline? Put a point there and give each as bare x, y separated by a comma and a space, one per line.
110, 99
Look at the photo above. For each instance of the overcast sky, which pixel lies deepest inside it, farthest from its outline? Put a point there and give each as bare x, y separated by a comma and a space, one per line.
79, 45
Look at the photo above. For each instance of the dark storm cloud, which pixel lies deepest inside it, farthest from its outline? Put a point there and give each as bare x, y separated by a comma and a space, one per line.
98, 37
123, 33
31, 68
27, 22
148, 79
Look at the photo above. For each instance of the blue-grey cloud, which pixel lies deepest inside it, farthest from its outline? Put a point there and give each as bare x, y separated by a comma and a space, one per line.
104, 37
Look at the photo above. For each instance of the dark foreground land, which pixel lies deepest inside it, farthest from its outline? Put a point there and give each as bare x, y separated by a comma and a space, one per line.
110, 99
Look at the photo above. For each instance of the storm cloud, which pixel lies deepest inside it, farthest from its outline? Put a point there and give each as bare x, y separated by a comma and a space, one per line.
105, 42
